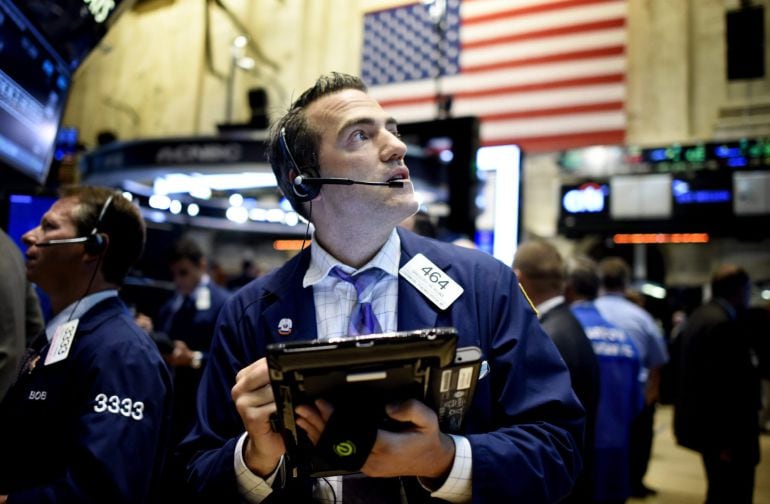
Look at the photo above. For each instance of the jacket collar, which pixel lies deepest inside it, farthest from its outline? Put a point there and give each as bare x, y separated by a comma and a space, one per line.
288, 300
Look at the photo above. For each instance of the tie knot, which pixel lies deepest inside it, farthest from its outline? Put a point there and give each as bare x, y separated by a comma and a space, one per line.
361, 281
362, 318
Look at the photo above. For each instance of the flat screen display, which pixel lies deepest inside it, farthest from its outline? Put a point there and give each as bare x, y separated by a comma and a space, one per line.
74, 27
34, 82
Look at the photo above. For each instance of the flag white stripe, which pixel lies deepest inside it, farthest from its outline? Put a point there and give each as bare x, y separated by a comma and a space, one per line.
483, 8
481, 81
547, 126
534, 22
540, 100
549, 46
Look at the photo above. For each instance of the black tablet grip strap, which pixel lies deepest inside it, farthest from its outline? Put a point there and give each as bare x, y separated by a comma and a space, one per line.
349, 436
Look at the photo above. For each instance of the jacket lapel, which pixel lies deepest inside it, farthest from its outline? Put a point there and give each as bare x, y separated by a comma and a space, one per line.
415, 311
292, 303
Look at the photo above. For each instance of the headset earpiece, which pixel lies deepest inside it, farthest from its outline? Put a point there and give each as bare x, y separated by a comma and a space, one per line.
303, 192
96, 244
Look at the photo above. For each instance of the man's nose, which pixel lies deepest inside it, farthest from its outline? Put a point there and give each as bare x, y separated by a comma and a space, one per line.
29, 238
394, 147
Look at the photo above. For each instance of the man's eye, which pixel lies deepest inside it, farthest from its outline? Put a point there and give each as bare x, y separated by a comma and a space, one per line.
360, 135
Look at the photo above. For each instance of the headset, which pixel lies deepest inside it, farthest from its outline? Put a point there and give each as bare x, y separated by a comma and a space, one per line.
307, 185
95, 243
303, 191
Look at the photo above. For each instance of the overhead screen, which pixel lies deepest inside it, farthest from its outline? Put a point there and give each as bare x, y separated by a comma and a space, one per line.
34, 82
42, 42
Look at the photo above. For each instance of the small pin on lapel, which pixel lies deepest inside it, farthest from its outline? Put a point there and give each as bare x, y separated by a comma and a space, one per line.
284, 327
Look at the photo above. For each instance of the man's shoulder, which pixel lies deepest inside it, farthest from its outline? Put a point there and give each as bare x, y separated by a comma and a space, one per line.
283, 281
108, 328
218, 293
618, 302
445, 251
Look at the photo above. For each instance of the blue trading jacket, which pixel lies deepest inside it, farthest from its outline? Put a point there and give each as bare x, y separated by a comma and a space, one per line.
525, 423
93, 427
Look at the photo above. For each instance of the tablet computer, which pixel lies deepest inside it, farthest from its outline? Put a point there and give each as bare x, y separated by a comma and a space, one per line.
359, 376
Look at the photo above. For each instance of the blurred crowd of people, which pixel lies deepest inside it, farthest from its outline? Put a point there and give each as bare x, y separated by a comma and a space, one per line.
174, 401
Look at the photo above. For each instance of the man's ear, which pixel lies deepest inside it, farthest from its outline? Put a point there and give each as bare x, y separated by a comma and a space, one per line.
97, 245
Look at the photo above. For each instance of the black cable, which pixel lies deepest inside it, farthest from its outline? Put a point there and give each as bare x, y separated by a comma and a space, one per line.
88, 288
331, 487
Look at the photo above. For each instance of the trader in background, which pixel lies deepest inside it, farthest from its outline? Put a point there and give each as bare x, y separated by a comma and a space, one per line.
188, 319
542, 273
521, 442
20, 318
621, 396
88, 417
613, 305
717, 401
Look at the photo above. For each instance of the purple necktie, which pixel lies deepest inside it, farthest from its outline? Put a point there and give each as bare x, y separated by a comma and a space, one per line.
362, 319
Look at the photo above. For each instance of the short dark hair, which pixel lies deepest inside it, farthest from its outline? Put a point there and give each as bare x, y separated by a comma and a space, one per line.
186, 248
728, 281
614, 273
541, 262
583, 276
122, 223
301, 139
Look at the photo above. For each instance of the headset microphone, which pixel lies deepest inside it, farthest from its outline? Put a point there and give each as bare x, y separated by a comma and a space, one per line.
65, 241
299, 180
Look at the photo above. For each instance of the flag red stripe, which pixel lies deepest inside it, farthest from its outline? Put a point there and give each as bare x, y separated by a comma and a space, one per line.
557, 111
549, 32
533, 9
540, 86
551, 58
561, 142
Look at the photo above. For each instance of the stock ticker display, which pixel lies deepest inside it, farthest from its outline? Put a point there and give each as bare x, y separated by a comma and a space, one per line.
717, 188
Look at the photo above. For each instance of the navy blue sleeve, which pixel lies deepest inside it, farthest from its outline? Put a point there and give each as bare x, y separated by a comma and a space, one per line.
210, 447
118, 433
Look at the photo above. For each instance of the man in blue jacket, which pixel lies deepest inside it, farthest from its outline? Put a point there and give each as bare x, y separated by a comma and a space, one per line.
520, 443
87, 418
188, 318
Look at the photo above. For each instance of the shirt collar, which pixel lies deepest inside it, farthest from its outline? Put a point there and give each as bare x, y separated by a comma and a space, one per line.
549, 304
79, 307
321, 261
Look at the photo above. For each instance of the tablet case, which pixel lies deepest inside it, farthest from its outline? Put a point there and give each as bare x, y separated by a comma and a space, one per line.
359, 376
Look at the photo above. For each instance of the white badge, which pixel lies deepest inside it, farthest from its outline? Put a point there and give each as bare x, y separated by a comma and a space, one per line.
202, 298
430, 280
61, 342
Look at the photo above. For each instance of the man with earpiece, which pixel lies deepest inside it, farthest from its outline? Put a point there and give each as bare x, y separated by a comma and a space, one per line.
339, 160
87, 418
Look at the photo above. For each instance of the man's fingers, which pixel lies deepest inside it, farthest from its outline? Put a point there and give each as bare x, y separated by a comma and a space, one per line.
253, 378
412, 411
325, 408
309, 418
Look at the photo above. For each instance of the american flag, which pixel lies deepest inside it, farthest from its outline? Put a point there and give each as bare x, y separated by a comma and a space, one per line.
544, 74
